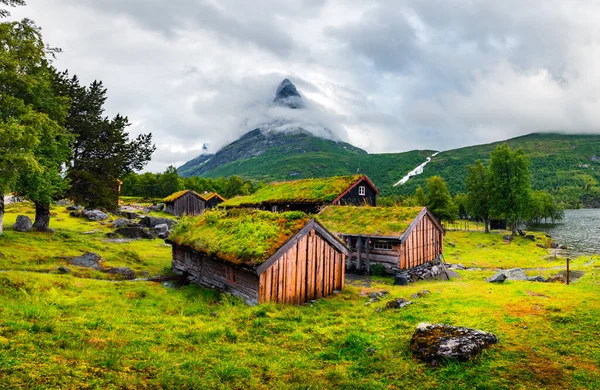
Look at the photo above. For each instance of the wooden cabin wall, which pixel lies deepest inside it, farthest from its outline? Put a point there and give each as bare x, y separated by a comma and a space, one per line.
311, 269
388, 258
424, 244
208, 272
188, 204
353, 198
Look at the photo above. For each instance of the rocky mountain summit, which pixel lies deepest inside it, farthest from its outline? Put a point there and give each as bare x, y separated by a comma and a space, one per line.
287, 95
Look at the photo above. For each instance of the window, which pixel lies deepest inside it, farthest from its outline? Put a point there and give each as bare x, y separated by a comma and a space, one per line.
382, 245
231, 274
362, 190
274, 209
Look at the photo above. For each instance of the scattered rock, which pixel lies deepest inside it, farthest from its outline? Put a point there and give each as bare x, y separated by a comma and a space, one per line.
130, 215
112, 235
63, 202
23, 224
162, 230
554, 245
421, 294
370, 351
447, 275
573, 275
397, 303
135, 232
88, 260
400, 279
530, 237
508, 237
74, 208
153, 221
540, 246
120, 222
157, 207
453, 245
63, 270
556, 279
508, 274
169, 284
94, 215
127, 273
538, 278
563, 247
434, 342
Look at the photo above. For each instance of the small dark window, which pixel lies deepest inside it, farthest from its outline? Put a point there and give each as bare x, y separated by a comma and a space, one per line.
231, 274
382, 245
362, 190
274, 209
188, 257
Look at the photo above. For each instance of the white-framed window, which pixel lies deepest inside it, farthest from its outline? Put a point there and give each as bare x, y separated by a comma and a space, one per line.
382, 245
362, 190
274, 209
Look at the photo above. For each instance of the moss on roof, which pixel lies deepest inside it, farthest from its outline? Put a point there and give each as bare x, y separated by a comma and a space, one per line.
305, 190
239, 236
173, 197
209, 195
375, 221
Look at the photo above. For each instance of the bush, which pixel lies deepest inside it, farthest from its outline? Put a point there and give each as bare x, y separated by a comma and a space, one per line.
378, 270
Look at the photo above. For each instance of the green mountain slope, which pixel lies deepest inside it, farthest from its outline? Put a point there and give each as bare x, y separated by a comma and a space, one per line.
566, 165
277, 156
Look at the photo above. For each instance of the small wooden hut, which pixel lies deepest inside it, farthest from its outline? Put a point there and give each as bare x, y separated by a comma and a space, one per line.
310, 195
395, 237
260, 256
212, 199
185, 202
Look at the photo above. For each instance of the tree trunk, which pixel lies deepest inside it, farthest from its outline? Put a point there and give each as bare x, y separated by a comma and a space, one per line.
42, 217
486, 222
1, 211
513, 228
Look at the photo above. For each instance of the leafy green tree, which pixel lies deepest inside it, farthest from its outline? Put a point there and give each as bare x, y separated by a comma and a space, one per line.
439, 201
169, 182
102, 151
461, 202
420, 199
543, 206
478, 193
510, 185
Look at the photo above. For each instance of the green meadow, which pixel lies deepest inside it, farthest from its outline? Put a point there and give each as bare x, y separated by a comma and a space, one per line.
84, 330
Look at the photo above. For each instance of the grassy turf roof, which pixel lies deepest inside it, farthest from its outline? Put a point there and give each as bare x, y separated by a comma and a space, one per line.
177, 195
209, 195
373, 221
239, 236
305, 190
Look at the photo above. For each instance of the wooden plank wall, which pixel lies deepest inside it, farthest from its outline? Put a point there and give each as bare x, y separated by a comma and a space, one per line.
424, 244
311, 269
188, 204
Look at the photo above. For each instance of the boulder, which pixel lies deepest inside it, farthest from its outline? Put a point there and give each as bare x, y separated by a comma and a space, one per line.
557, 279
447, 275
94, 215
538, 278
508, 237
157, 207
530, 237
153, 221
130, 214
161, 229
401, 279
23, 224
127, 273
63, 270
120, 222
63, 202
88, 260
135, 232
397, 303
74, 208
433, 342
508, 274
421, 294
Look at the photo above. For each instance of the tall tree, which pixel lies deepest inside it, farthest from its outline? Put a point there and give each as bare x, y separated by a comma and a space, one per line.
510, 185
169, 182
438, 198
103, 151
478, 193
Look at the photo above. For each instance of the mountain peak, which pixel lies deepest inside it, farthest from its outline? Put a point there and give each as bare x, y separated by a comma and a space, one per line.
287, 95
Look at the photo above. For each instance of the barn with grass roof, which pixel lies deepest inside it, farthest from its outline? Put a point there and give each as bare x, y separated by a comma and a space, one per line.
212, 199
259, 256
395, 237
310, 195
186, 202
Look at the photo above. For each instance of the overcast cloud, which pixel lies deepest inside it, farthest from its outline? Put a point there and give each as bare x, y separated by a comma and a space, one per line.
387, 76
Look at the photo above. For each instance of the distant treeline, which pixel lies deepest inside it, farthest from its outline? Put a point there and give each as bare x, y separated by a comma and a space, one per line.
160, 185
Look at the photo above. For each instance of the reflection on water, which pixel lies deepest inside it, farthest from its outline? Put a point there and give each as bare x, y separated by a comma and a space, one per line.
579, 230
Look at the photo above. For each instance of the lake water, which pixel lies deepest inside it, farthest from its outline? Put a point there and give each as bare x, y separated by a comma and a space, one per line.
579, 230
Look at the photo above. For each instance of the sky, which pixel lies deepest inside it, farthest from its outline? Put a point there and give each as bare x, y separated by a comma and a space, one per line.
386, 76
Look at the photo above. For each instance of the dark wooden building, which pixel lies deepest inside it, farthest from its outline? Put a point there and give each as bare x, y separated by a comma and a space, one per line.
186, 202
395, 237
310, 195
212, 199
303, 261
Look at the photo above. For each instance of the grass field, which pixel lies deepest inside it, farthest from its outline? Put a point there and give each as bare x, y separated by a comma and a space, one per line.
74, 331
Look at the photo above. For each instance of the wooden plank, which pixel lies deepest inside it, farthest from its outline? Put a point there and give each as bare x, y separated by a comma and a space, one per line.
310, 272
274, 281
335, 270
319, 268
281, 280
342, 271
268, 274
326, 264
261, 288
301, 267
291, 259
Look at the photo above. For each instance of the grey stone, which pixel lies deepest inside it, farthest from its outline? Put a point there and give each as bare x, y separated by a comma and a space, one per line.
509, 274
63, 270
447, 275
135, 232
435, 270
397, 303
508, 237
162, 228
157, 207
530, 237
153, 221
88, 260
63, 202
94, 215
538, 278
435, 342
453, 245
23, 224
421, 294
120, 222
74, 208
127, 273
163, 236
130, 214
